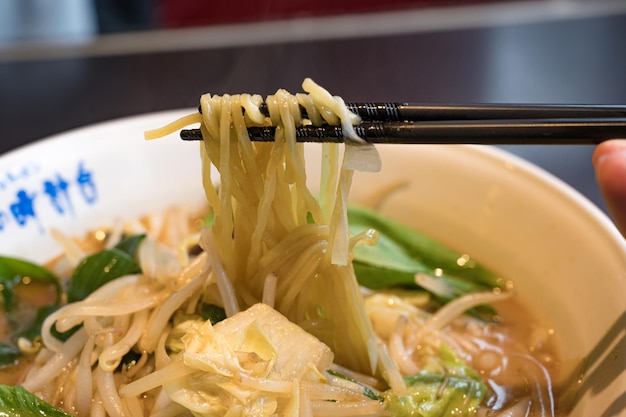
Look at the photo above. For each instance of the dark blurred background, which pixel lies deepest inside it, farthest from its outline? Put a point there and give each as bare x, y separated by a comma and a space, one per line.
71, 63
110, 16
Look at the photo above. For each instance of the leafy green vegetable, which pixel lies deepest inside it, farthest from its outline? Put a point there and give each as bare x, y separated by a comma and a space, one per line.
130, 244
9, 355
14, 272
401, 253
17, 402
367, 391
64, 336
98, 269
93, 272
128, 360
20, 312
209, 218
435, 395
457, 390
212, 312
34, 328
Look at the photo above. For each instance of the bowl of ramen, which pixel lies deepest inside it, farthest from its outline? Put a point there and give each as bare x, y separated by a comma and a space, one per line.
225, 277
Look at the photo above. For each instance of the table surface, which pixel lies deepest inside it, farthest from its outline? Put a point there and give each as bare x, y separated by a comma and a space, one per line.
571, 59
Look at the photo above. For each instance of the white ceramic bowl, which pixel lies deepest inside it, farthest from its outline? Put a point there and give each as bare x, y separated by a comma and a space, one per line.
565, 257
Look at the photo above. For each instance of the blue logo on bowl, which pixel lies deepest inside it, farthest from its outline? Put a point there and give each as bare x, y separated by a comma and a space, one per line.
57, 191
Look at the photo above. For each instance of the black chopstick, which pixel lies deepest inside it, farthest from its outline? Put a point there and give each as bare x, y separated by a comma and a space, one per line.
404, 112
495, 132
398, 112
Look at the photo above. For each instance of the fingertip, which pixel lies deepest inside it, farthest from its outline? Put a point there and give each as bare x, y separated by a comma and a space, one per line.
609, 160
607, 148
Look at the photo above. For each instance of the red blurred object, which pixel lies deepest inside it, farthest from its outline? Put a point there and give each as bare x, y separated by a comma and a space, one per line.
182, 13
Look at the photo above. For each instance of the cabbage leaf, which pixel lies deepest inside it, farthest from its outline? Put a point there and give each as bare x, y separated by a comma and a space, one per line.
451, 388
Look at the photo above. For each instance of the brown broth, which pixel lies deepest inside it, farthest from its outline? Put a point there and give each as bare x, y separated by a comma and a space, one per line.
29, 296
13, 375
531, 361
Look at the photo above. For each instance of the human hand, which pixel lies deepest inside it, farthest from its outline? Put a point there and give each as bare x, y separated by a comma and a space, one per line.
609, 161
